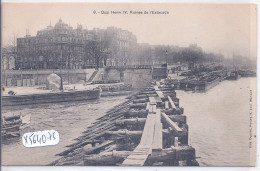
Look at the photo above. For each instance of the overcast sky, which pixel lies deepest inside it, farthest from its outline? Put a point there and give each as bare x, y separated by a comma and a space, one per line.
214, 27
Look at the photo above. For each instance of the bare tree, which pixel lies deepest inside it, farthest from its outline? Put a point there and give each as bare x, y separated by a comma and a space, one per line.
12, 47
98, 48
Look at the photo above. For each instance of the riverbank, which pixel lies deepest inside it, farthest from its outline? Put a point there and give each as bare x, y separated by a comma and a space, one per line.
53, 97
73, 92
43, 90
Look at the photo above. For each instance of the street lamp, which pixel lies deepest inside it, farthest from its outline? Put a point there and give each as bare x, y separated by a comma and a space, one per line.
166, 57
61, 84
68, 67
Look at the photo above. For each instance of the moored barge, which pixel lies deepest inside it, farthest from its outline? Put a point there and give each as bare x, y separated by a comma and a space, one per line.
51, 97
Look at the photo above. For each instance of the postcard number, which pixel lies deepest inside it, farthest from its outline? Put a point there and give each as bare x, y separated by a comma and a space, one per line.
41, 138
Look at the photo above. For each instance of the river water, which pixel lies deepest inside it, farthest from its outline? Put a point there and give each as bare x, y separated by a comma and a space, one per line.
218, 125
69, 119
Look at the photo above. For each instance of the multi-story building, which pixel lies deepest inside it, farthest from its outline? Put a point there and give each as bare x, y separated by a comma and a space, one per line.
121, 45
61, 46
54, 47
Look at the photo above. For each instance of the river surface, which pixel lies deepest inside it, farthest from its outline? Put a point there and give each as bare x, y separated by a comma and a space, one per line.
70, 119
219, 123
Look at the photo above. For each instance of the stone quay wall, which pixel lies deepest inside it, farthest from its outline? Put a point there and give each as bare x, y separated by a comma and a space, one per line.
38, 77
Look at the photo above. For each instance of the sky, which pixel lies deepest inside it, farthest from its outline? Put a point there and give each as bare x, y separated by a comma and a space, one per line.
220, 28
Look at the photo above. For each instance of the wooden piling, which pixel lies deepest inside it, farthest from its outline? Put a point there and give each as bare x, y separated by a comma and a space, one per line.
148, 129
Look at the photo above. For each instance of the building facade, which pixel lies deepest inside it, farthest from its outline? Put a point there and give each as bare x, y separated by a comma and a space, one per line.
122, 46
118, 44
54, 47
61, 46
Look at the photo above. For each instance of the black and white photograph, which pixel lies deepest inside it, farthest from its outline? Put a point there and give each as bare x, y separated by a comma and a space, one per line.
128, 84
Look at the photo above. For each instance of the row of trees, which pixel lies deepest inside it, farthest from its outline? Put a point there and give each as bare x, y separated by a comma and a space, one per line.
195, 55
100, 48
9, 52
192, 54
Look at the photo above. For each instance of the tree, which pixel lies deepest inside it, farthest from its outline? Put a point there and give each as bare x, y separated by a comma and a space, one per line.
98, 48
10, 50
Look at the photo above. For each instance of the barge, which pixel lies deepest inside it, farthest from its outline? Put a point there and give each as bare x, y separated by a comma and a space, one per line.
14, 126
234, 75
51, 97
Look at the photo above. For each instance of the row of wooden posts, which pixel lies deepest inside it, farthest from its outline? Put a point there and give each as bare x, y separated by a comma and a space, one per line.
148, 129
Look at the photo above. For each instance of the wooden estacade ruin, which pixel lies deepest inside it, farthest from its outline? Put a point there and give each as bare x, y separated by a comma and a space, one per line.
149, 129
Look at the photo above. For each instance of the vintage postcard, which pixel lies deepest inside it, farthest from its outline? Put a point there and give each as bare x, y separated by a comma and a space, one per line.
128, 84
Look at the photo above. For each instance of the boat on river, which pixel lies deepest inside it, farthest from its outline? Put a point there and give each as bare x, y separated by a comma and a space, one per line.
50, 97
13, 126
247, 73
234, 75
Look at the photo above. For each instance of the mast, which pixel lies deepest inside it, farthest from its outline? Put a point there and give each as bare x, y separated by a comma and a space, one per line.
234, 66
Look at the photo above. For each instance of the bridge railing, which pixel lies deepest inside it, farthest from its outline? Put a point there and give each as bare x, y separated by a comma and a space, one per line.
130, 67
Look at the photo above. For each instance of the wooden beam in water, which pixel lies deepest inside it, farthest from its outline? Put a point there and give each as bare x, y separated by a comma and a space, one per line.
171, 102
147, 136
138, 106
176, 141
89, 142
82, 143
143, 150
140, 100
175, 154
158, 99
166, 104
172, 124
184, 152
124, 132
130, 121
152, 100
138, 156
178, 118
139, 113
99, 147
157, 138
104, 155
141, 96
147, 105
159, 92
152, 109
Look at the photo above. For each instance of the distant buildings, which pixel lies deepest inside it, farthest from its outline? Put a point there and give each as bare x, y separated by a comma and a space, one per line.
61, 46
122, 46
143, 55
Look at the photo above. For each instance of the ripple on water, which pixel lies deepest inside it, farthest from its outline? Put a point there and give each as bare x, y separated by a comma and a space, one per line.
69, 119
218, 123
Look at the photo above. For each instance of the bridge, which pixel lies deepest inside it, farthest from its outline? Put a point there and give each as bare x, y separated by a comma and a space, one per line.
136, 67
122, 68
136, 75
